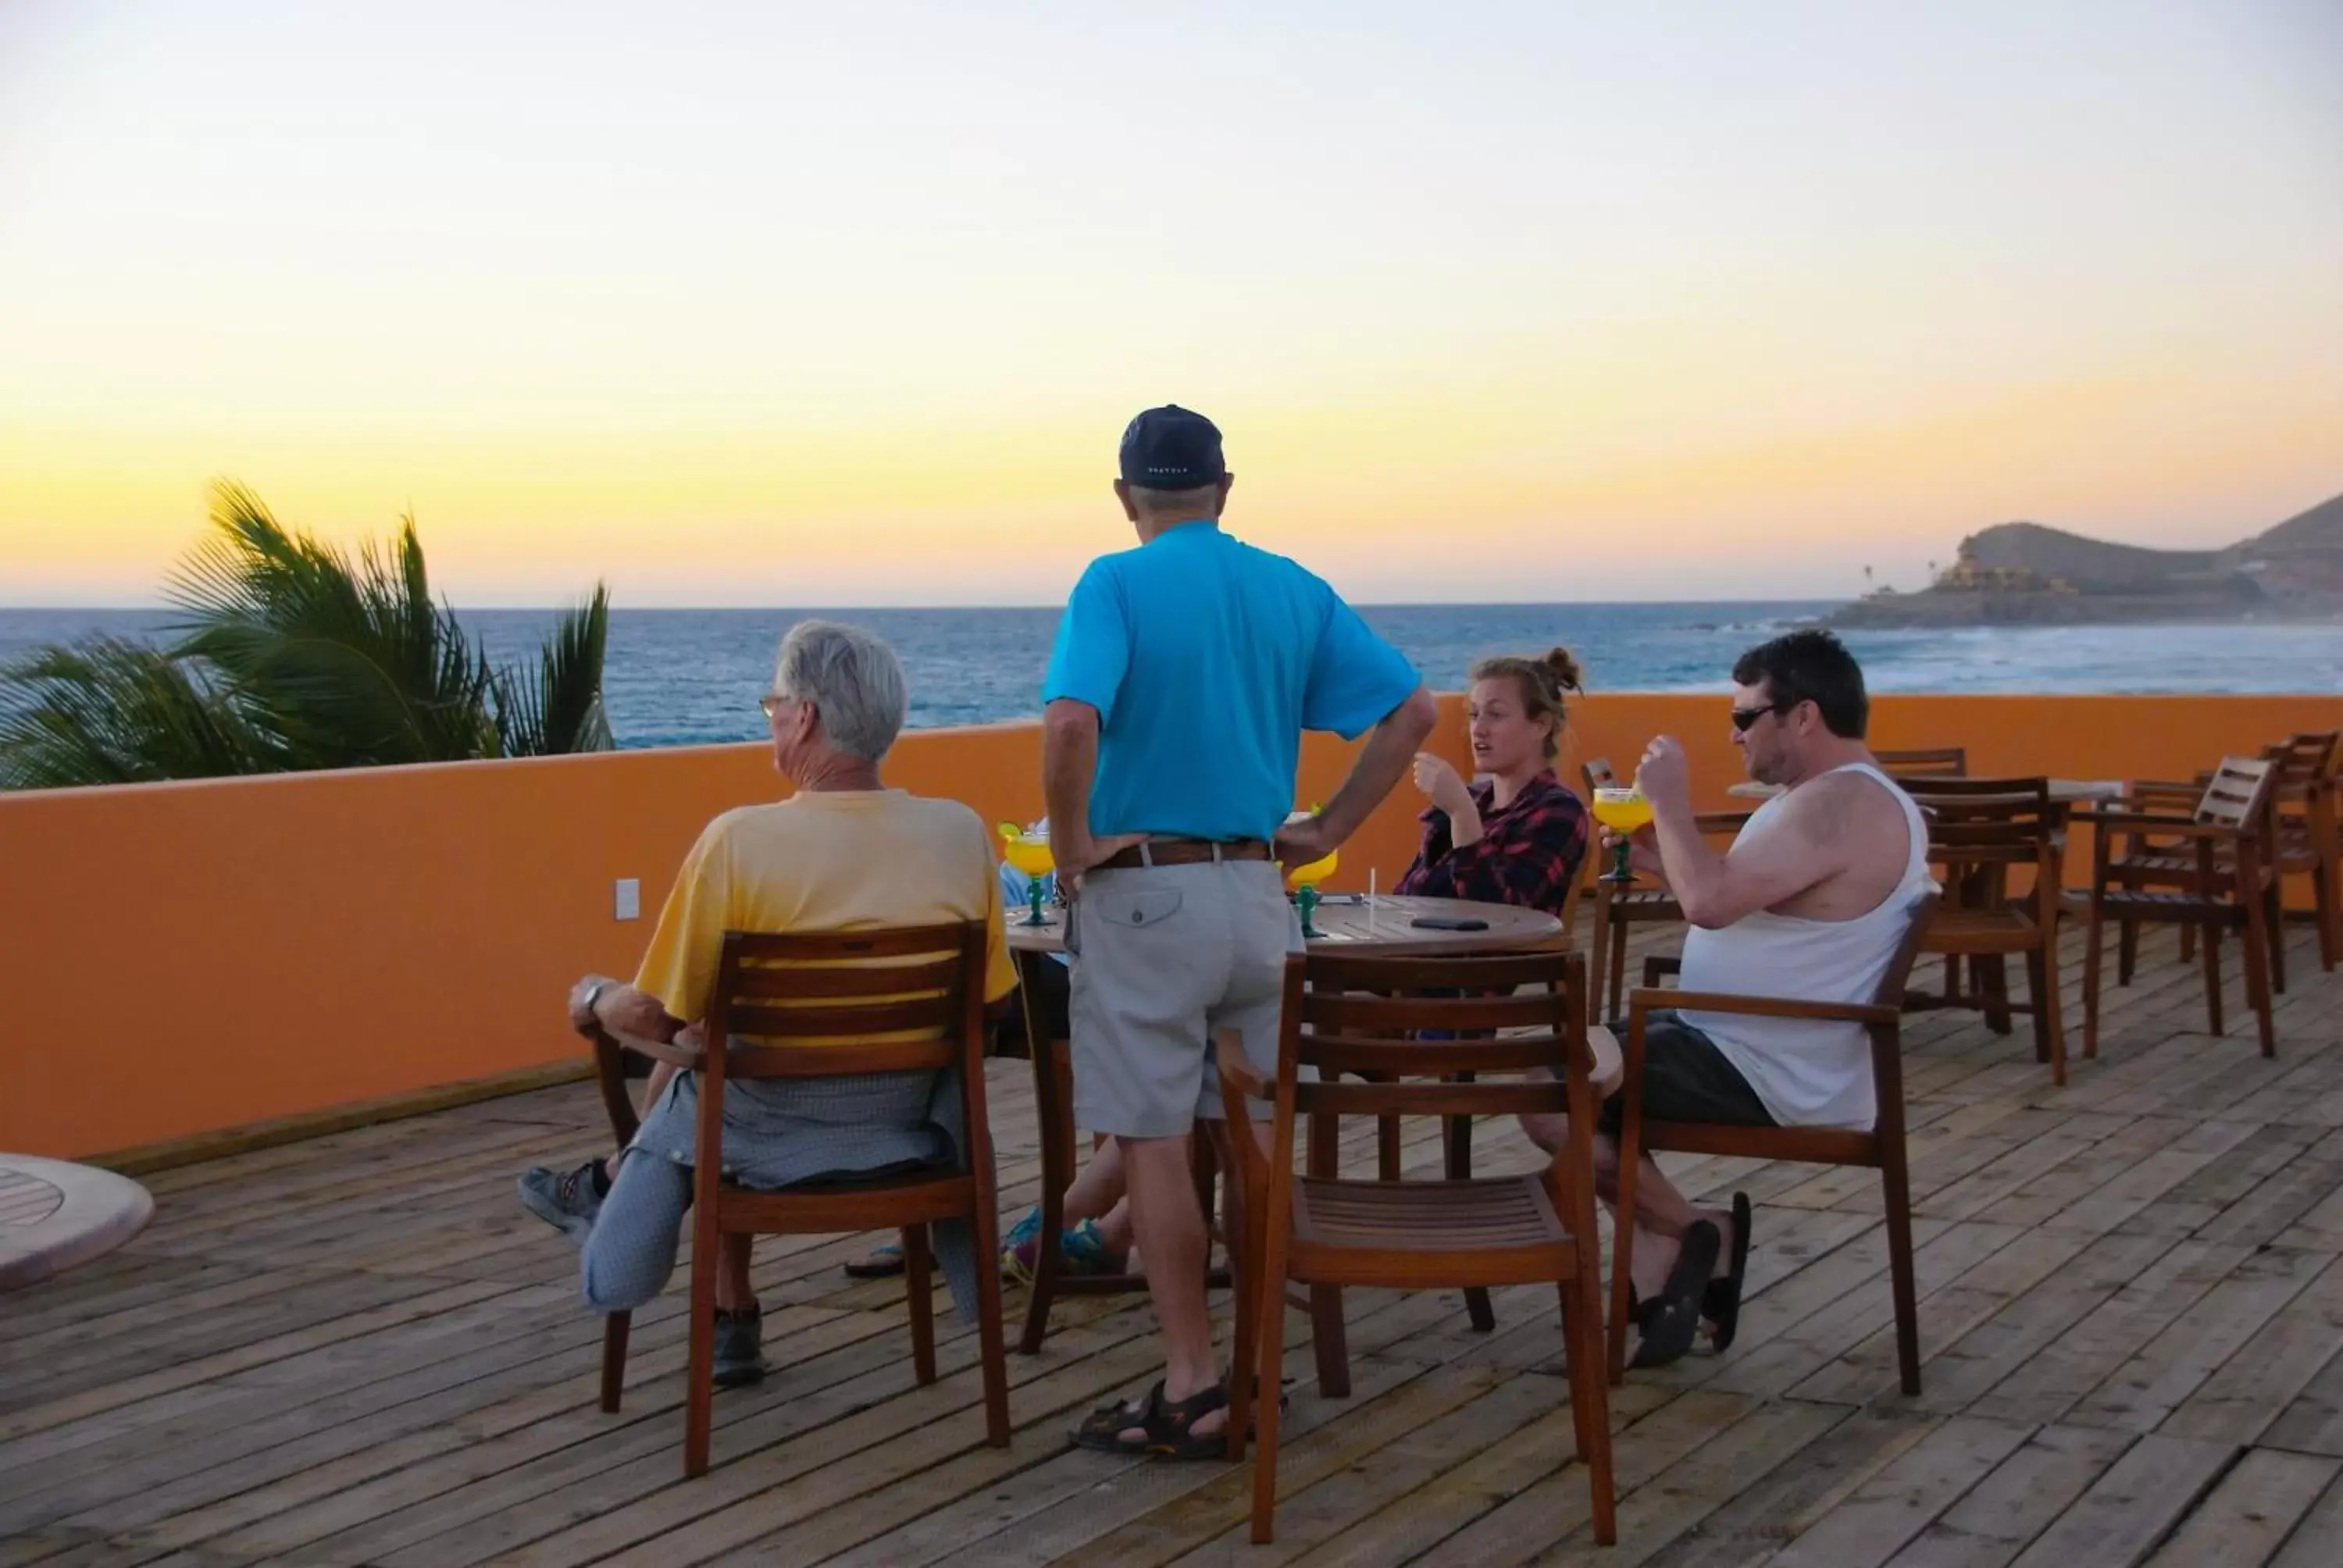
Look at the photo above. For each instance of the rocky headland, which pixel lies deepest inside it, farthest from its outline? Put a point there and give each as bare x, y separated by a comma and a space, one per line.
2026, 574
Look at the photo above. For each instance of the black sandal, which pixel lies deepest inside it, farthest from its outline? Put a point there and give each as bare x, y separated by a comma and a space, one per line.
1720, 1303
1668, 1323
1166, 1424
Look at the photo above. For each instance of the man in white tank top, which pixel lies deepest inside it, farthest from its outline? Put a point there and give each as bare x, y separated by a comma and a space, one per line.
1811, 902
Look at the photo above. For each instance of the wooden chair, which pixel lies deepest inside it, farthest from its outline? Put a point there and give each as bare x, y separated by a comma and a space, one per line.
1054, 1111
861, 991
1618, 909
2230, 885
1946, 762
2141, 859
1978, 837
2307, 842
1881, 1149
1360, 1015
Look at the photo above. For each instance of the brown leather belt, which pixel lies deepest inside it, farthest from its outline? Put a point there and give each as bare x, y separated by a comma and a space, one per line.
1183, 852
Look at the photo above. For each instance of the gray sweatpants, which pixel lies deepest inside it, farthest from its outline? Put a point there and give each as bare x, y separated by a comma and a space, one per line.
630, 1251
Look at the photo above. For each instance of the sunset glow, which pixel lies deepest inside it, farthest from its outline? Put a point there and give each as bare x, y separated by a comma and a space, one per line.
848, 305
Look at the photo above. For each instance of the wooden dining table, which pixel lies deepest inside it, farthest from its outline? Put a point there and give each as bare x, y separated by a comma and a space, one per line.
1382, 924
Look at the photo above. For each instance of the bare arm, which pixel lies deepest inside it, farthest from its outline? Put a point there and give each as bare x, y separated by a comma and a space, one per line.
1069, 738
1804, 850
1390, 749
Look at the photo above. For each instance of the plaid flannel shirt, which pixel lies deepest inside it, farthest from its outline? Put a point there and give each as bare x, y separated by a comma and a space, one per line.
1527, 853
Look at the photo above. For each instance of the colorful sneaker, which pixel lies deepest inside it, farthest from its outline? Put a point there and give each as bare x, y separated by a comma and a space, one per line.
740, 1351
1027, 1226
566, 1199
1080, 1250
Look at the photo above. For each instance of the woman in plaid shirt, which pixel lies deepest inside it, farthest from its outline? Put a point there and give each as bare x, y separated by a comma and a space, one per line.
1520, 837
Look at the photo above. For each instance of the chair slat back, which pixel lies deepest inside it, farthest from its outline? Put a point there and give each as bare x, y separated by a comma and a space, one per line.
819, 1004
2013, 825
2307, 763
1942, 762
1358, 1014
2237, 796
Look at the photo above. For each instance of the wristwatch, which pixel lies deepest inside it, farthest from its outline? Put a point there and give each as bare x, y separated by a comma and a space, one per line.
594, 991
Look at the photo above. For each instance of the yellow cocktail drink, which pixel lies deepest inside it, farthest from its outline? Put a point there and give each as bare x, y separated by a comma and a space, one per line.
1028, 852
1624, 811
1304, 878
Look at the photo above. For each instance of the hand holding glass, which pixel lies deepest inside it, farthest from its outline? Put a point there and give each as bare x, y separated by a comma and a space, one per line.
1304, 881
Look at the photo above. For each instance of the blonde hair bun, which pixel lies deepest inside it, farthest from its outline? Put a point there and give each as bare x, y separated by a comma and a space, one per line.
1563, 665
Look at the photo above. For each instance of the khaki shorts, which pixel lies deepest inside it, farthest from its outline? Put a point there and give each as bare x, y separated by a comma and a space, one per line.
1164, 958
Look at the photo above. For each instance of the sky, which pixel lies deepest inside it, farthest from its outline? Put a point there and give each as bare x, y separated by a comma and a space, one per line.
847, 304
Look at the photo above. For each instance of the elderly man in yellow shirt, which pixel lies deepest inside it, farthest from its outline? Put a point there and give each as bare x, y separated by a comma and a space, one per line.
843, 853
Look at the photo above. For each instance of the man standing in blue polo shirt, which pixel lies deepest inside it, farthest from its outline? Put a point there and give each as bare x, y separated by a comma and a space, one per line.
1185, 672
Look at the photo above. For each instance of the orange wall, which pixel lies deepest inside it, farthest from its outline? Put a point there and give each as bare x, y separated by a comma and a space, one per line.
188, 957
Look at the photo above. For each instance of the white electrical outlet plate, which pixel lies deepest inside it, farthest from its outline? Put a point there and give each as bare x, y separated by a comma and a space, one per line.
629, 898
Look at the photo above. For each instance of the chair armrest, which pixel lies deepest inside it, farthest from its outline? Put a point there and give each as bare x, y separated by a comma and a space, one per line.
684, 1056
1644, 999
1236, 1072
1657, 965
2165, 827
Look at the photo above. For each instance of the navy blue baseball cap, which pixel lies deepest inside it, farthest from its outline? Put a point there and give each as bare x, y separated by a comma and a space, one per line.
1172, 448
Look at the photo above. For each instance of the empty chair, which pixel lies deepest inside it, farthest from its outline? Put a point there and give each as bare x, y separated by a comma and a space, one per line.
2306, 839
2228, 883
1351, 1015
1979, 834
1943, 762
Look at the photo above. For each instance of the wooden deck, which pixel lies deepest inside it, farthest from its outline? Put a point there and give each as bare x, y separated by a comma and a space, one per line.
360, 1349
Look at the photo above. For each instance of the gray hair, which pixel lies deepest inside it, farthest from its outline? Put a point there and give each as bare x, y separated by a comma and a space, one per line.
852, 678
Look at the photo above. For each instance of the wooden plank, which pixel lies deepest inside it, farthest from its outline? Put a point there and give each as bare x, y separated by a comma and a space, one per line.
2312, 1422
2129, 1510
1869, 1370
2312, 1544
1994, 1521
2251, 1512
1973, 1363
2065, 1371
2152, 1384
1777, 1508
2257, 1383
1654, 1516
1878, 1518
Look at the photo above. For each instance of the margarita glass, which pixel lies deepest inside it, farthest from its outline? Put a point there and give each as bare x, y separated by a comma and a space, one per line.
1622, 808
1304, 879
1026, 850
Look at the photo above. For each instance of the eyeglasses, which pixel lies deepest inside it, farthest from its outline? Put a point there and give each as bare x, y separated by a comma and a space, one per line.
1743, 718
773, 699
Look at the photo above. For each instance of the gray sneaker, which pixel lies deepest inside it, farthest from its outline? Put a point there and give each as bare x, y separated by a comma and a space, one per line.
565, 1199
739, 1357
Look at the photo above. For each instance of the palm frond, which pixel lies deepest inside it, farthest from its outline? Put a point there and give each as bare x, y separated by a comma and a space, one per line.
291, 654
358, 663
562, 711
108, 711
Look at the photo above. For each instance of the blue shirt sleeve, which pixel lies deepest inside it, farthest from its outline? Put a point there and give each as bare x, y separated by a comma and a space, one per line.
1356, 677
1094, 648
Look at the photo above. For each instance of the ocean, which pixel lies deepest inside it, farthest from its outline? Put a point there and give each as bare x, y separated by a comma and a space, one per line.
681, 677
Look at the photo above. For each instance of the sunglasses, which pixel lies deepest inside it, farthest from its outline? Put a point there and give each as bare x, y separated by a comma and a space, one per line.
1743, 718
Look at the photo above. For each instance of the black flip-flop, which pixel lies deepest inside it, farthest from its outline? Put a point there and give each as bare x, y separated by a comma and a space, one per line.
1669, 1322
1165, 1426
1720, 1303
